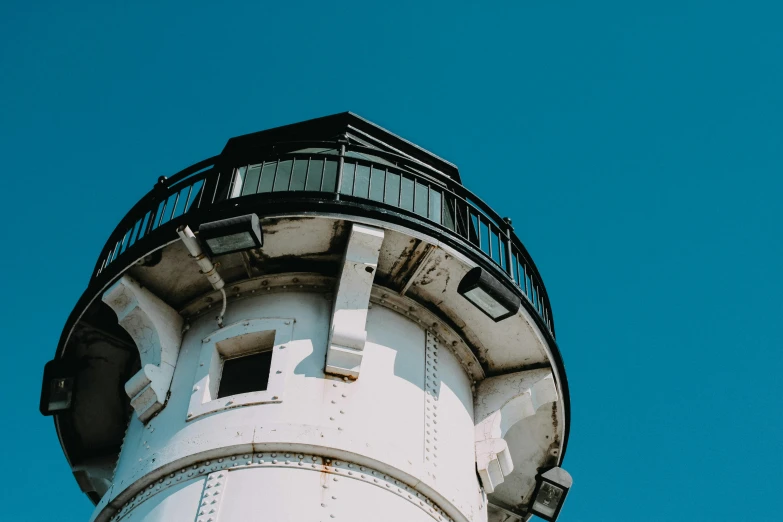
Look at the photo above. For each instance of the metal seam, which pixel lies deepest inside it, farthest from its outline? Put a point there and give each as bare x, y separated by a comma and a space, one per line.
431, 394
303, 461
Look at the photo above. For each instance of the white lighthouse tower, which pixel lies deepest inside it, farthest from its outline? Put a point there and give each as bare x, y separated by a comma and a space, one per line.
320, 323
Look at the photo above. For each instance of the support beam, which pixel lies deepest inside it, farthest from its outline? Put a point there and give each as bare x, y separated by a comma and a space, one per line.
347, 333
502, 402
156, 328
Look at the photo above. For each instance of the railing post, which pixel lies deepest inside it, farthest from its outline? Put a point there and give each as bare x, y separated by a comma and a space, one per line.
509, 264
340, 163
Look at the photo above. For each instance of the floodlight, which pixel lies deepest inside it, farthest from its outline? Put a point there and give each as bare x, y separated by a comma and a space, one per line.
551, 489
488, 294
231, 235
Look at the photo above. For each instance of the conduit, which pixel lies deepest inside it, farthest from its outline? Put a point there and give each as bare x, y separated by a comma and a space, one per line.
207, 268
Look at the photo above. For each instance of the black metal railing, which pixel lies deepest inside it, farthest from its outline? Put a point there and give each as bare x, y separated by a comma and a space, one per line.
315, 171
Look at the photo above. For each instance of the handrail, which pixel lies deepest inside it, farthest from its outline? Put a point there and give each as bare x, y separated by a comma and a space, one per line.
441, 202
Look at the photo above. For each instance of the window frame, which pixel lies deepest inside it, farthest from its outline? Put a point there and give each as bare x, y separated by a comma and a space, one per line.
206, 381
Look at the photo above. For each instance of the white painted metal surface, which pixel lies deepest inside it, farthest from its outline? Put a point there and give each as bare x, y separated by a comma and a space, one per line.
400, 428
409, 417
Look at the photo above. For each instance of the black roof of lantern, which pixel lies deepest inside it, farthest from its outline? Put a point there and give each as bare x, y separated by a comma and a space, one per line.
342, 126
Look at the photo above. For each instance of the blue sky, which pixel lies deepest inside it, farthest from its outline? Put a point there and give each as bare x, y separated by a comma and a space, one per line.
636, 147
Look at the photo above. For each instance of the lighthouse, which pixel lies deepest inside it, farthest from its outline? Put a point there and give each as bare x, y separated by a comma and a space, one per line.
319, 323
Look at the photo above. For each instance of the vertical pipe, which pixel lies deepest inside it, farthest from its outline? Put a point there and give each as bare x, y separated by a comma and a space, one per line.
340, 163
509, 263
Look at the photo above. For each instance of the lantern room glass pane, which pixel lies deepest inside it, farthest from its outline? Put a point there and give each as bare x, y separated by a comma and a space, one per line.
251, 180
314, 174
392, 196
330, 176
283, 177
377, 184
348, 173
267, 177
361, 187
406, 194
435, 205
421, 201
299, 175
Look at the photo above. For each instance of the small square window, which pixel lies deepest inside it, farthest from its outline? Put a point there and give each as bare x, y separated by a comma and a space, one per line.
245, 374
240, 365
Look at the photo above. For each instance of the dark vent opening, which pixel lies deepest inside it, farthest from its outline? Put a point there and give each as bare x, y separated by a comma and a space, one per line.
246, 374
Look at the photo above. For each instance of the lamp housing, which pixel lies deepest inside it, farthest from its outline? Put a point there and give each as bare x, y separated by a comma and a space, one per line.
488, 294
551, 490
231, 235
57, 388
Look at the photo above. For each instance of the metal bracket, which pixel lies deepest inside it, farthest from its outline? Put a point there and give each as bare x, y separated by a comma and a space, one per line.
156, 328
347, 334
502, 402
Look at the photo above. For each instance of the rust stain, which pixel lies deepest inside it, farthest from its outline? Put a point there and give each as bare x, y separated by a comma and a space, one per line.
428, 278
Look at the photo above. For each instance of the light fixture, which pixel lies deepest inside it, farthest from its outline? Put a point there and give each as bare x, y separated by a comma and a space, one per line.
231, 235
57, 388
488, 294
551, 489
